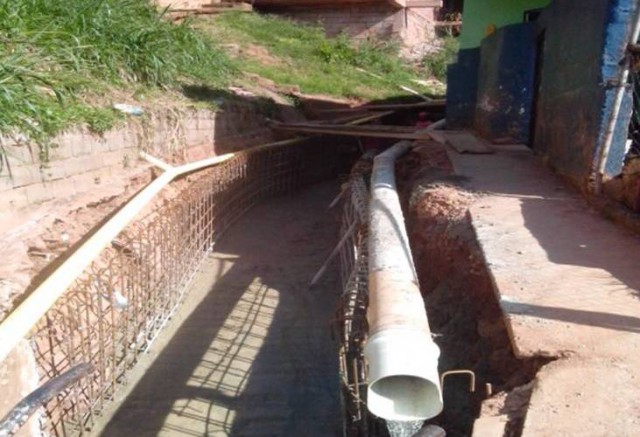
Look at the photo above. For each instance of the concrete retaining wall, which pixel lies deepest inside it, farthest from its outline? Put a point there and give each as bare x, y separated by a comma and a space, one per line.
82, 160
360, 22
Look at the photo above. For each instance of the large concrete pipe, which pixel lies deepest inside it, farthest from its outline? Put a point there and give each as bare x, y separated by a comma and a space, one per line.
401, 356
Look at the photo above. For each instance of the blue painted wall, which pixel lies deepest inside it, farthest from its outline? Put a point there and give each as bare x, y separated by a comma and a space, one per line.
462, 88
617, 33
585, 41
505, 83
582, 48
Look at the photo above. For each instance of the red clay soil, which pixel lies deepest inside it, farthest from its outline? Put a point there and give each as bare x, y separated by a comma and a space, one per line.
49, 230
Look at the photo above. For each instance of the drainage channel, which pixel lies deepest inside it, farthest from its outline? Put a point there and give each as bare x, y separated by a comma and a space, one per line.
249, 352
197, 327
137, 276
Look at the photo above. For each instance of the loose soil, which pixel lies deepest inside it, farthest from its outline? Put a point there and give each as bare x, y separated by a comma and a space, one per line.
463, 312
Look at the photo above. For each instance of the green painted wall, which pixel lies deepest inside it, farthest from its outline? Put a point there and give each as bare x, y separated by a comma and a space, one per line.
478, 14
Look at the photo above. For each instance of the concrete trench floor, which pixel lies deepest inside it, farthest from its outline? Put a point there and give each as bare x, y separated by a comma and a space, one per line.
249, 352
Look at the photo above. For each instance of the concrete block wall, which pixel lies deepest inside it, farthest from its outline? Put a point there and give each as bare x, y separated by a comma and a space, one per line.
412, 27
419, 34
359, 22
420, 24
82, 160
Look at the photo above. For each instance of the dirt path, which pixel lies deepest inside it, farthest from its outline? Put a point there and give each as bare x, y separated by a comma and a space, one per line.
249, 353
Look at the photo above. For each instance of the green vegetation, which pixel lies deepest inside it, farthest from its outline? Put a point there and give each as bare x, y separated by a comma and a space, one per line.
59, 60
436, 63
301, 55
64, 63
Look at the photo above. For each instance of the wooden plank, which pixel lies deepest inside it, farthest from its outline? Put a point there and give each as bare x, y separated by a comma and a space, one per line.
438, 136
397, 106
357, 118
466, 142
367, 119
375, 128
396, 132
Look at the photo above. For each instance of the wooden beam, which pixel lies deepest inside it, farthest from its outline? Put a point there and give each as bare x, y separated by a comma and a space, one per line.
356, 118
397, 132
438, 104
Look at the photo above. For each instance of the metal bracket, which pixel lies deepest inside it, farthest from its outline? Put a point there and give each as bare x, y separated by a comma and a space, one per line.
472, 377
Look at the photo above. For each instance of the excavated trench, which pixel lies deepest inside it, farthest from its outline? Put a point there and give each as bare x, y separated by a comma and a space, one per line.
464, 315
249, 351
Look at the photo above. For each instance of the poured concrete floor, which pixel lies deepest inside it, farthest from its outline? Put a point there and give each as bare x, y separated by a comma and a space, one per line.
249, 353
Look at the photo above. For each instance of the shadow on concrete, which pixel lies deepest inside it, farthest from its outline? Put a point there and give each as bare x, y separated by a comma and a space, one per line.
592, 318
553, 227
255, 356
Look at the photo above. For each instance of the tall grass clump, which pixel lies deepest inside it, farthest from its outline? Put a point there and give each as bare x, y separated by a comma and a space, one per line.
52, 53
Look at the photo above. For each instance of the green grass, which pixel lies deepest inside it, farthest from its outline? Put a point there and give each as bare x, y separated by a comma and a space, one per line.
57, 58
62, 62
304, 57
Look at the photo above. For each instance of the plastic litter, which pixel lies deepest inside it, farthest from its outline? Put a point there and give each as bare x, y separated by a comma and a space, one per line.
128, 109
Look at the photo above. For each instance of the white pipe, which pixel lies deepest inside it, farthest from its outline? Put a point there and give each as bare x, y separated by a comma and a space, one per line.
156, 161
403, 381
617, 104
438, 125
